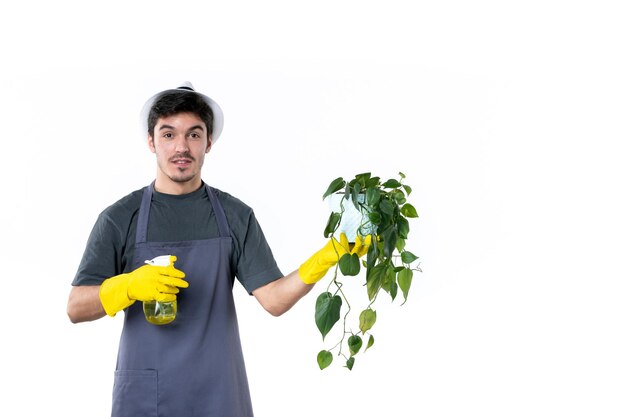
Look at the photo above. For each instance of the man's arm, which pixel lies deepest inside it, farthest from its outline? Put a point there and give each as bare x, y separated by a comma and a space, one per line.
84, 304
146, 283
277, 297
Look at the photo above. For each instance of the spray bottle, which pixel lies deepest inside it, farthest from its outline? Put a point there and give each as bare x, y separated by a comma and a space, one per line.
160, 312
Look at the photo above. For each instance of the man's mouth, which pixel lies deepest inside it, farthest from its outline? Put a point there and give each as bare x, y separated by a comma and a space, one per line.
181, 161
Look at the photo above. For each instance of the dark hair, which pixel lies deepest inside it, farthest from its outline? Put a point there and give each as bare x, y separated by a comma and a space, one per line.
174, 102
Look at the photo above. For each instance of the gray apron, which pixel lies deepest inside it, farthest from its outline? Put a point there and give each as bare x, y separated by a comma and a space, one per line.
193, 366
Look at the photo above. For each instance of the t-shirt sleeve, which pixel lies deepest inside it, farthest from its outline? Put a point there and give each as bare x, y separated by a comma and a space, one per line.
102, 256
256, 265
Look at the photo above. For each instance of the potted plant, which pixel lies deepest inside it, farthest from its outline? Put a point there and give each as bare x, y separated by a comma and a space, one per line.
378, 209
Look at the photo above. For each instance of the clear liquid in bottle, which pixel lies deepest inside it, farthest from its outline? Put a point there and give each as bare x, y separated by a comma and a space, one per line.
159, 312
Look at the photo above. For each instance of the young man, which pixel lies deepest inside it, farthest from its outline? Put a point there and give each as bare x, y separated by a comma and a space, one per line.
193, 366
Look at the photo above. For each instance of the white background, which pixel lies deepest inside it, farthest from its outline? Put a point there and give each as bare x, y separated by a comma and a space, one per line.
506, 117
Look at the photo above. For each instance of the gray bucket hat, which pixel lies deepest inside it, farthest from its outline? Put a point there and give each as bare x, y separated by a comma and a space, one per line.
218, 116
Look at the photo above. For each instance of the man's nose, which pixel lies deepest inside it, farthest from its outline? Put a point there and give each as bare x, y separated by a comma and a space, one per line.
181, 143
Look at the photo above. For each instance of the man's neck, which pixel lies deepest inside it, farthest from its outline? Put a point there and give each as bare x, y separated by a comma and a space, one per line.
176, 188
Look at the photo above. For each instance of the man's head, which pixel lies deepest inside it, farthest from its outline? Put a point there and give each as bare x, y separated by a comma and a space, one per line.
181, 126
175, 102
183, 99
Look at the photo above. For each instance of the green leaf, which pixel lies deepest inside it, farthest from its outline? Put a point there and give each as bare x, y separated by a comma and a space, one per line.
372, 256
393, 290
400, 243
408, 210
403, 227
355, 195
375, 280
398, 196
390, 281
401, 175
407, 189
386, 207
354, 344
370, 343
349, 264
324, 358
407, 257
336, 185
363, 178
374, 217
386, 286
327, 308
390, 237
331, 225
390, 276
367, 318
372, 182
404, 280
372, 197
350, 363
392, 184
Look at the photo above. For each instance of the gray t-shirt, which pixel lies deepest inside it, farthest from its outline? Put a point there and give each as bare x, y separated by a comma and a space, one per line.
110, 247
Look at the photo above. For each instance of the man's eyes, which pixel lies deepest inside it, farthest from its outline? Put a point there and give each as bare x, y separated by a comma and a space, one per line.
192, 135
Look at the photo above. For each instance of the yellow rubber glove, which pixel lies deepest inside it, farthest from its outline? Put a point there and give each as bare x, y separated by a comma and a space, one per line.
318, 265
145, 283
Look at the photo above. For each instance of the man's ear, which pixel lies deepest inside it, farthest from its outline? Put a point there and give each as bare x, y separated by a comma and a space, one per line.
151, 144
209, 143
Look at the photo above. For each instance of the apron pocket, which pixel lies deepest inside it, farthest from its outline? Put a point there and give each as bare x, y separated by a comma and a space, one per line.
135, 393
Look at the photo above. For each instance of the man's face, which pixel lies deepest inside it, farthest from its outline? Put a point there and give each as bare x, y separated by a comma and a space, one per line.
180, 142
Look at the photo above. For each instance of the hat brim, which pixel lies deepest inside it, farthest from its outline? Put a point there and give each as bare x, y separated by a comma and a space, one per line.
218, 115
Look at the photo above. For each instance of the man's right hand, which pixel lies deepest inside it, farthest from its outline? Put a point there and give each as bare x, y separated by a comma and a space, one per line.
146, 283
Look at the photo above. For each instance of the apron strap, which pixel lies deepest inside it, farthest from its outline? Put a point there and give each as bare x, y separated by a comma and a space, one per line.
222, 223
144, 215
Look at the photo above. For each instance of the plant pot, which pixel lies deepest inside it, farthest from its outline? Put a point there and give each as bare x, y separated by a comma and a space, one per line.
353, 220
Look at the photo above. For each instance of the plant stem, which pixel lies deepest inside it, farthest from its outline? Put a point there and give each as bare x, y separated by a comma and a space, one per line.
345, 317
